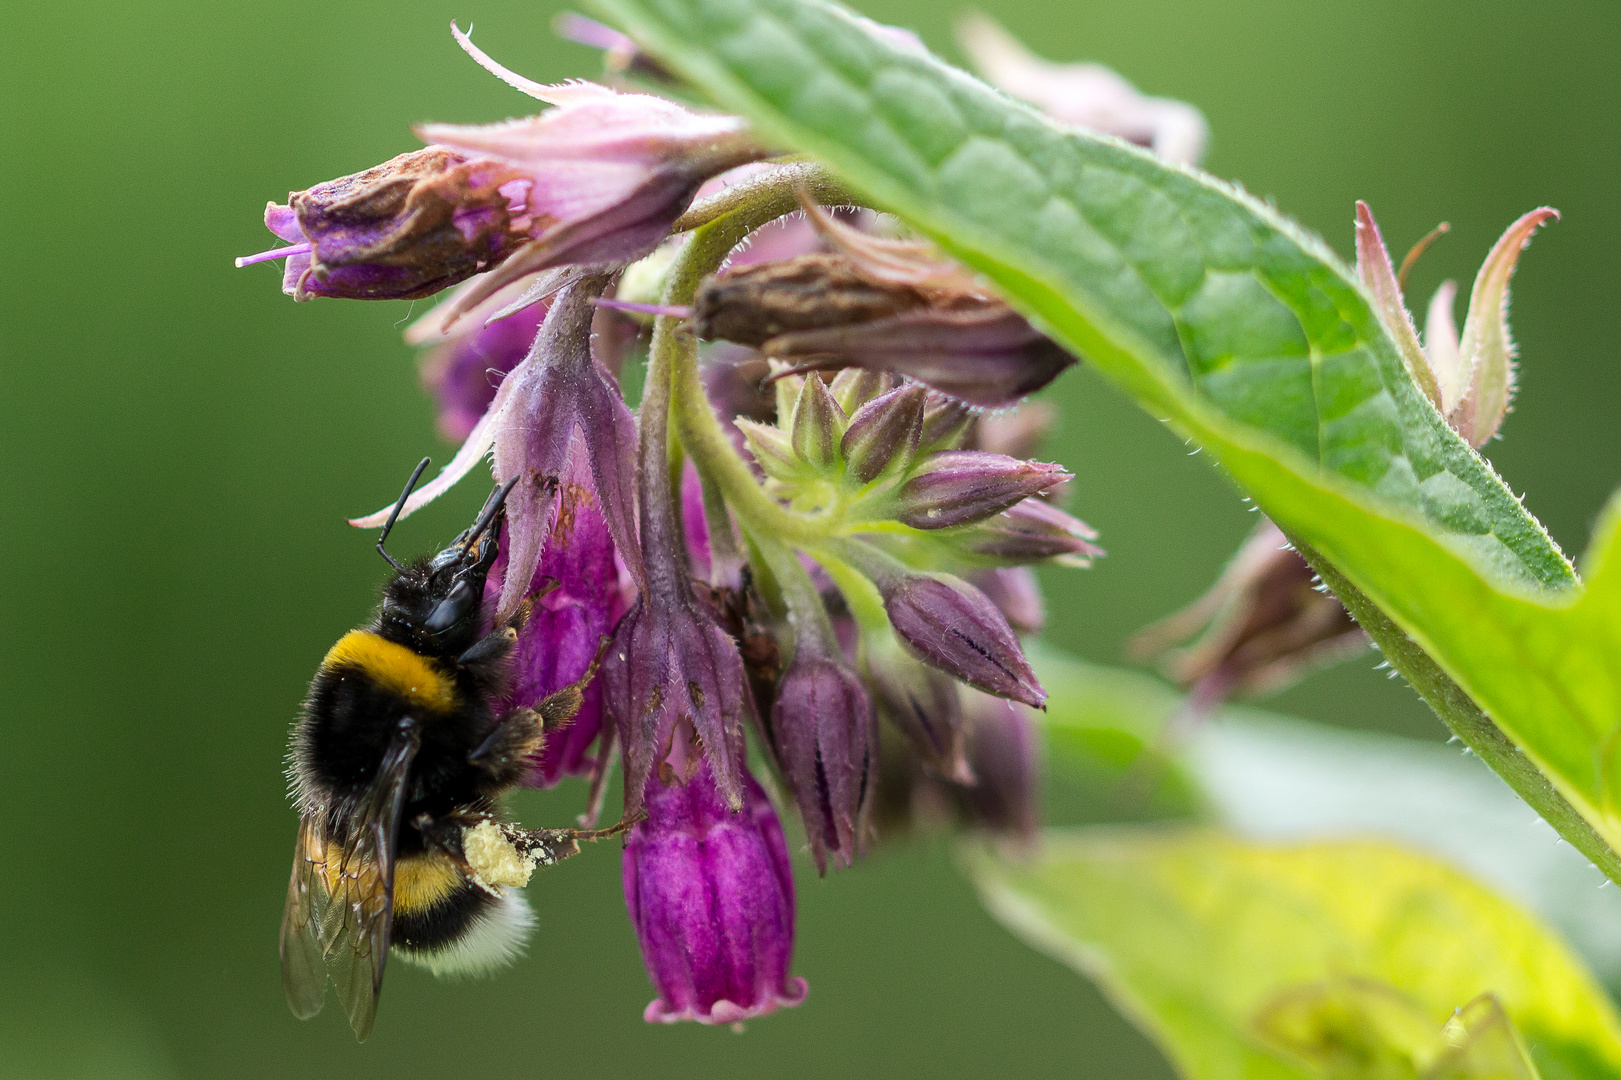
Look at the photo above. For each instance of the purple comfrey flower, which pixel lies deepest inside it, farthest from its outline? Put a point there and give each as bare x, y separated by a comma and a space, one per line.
823, 731
578, 600
604, 175
462, 374
555, 409
414, 225
711, 894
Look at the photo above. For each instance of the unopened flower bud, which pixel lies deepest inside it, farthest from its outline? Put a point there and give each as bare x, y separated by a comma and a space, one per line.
1259, 628
1033, 531
946, 622
773, 450
817, 426
854, 387
1004, 750
1016, 594
760, 301
946, 421
885, 432
921, 703
711, 894
959, 487
414, 225
823, 732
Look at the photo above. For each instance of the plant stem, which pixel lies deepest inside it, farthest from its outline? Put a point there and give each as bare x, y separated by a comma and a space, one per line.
673, 359
1464, 718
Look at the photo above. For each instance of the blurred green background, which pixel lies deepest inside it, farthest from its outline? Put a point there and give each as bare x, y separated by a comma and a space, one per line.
181, 444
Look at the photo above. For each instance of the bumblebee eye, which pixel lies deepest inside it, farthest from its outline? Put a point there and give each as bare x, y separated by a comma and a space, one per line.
453, 608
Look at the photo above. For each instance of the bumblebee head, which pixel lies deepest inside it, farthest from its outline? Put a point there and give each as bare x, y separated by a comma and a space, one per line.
435, 604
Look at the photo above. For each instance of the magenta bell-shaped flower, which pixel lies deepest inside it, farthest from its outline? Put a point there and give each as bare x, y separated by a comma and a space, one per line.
577, 600
711, 895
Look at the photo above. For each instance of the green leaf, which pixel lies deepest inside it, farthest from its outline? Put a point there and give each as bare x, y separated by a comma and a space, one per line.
1271, 777
1248, 335
1238, 957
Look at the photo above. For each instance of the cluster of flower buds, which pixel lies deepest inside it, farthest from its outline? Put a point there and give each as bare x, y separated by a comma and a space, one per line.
844, 573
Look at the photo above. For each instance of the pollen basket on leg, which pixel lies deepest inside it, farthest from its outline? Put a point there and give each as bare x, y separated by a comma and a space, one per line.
394, 667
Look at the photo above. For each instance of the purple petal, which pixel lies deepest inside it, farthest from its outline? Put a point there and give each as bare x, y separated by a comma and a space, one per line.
711, 897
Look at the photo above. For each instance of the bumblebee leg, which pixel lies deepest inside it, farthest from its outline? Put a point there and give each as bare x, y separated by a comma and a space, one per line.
492, 648
562, 706
548, 846
504, 754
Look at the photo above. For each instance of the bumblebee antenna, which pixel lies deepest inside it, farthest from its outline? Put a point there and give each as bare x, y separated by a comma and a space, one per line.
394, 515
498, 499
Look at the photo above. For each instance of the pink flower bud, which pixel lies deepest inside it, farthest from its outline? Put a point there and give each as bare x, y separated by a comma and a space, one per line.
1033, 531
884, 433
947, 623
823, 732
959, 487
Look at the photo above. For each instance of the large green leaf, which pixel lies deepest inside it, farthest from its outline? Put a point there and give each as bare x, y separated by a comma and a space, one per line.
1219, 315
1214, 946
1273, 777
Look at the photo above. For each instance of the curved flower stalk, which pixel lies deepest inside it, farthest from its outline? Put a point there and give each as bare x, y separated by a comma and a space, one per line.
820, 539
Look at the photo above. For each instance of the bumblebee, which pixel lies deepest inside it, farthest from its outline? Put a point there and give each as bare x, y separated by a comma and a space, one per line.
398, 764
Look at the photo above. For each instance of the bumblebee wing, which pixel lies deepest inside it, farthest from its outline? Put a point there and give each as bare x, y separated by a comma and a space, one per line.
341, 901
303, 969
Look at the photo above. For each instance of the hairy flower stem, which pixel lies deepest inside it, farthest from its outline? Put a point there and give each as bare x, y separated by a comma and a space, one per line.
672, 377
806, 614
1465, 719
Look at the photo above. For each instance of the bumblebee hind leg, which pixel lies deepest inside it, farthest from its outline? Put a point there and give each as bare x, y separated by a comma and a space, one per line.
561, 707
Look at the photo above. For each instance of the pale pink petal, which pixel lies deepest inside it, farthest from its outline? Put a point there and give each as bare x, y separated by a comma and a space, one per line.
1441, 344
473, 450
1378, 276
1486, 346
511, 78
437, 325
